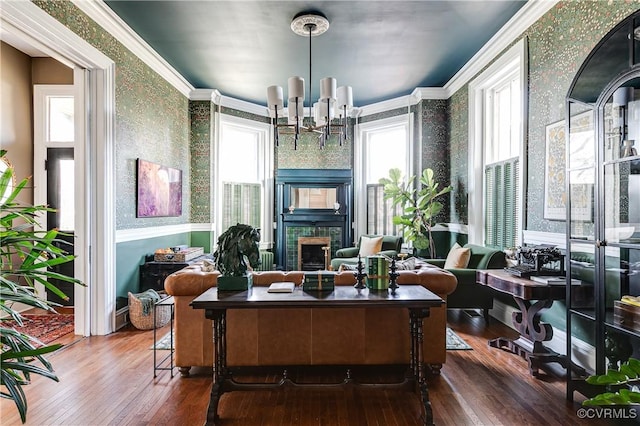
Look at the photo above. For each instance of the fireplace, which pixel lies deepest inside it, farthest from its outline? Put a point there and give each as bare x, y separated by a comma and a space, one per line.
312, 203
314, 253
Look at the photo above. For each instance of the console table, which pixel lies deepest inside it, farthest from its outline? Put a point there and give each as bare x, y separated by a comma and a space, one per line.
153, 273
531, 297
417, 299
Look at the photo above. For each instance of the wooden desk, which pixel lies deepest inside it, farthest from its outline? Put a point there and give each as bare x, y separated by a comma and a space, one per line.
531, 297
417, 299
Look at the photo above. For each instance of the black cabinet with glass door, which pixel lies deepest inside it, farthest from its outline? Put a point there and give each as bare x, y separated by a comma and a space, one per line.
603, 205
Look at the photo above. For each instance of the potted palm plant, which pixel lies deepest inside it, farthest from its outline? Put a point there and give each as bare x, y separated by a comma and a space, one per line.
26, 254
420, 206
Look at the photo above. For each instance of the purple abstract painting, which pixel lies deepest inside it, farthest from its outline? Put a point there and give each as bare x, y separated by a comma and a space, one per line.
159, 190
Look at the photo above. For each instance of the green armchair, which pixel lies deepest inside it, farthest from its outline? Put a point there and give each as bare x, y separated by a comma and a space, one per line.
469, 294
391, 246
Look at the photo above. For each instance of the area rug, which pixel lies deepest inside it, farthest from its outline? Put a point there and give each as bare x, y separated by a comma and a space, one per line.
455, 342
164, 343
44, 327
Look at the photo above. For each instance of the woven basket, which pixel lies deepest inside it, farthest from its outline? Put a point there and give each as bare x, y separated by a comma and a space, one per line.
145, 322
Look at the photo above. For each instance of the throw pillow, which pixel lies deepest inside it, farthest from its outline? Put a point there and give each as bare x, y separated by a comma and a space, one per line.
370, 246
347, 267
458, 257
406, 265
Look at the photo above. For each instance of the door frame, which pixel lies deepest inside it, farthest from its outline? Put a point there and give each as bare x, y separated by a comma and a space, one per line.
40, 177
94, 83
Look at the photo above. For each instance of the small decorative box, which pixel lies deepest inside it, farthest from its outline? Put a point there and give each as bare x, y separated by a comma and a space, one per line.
319, 281
626, 315
182, 255
229, 283
377, 273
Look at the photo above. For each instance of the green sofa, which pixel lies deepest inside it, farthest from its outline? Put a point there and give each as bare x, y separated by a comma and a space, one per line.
391, 246
469, 294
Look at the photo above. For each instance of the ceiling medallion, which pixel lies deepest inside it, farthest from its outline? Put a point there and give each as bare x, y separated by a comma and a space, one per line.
302, 23
332, 101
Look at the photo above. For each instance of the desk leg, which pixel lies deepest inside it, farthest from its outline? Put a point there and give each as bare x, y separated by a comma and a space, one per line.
417, 360
220, 363
533, 334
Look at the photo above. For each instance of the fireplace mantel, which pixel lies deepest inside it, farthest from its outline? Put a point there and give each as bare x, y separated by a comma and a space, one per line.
311, 222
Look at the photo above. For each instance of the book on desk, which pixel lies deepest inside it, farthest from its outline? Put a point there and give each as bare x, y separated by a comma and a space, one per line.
553, 280
281, 287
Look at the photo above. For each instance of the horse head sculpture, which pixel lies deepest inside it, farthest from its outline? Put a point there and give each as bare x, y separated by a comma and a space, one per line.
237, 250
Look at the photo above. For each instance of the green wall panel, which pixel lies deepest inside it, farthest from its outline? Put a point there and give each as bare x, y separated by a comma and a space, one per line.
131, 254
203, 239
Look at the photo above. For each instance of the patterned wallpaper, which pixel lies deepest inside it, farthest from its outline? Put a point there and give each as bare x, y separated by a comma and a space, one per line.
202, 129
458, 158
558, 44
151, 120
434, 118
310, 156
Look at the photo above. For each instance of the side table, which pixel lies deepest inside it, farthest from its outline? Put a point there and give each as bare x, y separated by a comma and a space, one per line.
158, 364
532, 298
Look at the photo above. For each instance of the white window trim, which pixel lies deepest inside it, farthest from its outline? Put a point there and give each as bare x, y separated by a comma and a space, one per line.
514, 58
359, 173
267, 156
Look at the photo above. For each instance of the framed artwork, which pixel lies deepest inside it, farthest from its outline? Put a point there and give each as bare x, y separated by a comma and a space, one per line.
555, 196
159, 190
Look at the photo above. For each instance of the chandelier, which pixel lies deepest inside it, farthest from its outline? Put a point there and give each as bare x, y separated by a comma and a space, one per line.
332, 101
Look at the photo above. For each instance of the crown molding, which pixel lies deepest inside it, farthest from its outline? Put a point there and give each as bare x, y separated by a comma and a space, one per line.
523, 19
113, 24
36, 28
418, 94
388, 105
229, 102
424, 93
204, 95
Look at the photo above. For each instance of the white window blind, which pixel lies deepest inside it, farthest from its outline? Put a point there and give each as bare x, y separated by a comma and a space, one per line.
380, 212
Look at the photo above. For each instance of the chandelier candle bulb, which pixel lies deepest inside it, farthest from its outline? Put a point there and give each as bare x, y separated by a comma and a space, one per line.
275, 98
327, 88
345, 97
296, 88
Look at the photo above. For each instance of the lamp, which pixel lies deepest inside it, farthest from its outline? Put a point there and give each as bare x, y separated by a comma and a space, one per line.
621, 99
333, 101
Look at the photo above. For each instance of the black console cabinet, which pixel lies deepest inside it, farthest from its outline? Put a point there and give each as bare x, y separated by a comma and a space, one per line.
153, 274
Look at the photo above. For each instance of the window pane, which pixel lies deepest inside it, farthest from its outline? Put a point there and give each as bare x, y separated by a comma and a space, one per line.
67, 190
239, 155
240, 173
60, 119
502, 130
385, 149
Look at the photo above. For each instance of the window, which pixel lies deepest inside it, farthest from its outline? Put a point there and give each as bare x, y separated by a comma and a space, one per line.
244, 176
382, 145
497, 123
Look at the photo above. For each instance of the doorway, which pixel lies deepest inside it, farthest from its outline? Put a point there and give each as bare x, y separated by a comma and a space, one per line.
61, 199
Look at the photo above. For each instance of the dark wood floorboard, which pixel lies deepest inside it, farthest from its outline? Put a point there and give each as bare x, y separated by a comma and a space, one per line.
108, 380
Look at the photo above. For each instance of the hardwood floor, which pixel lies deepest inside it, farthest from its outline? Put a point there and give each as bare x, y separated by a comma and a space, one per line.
108, 380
